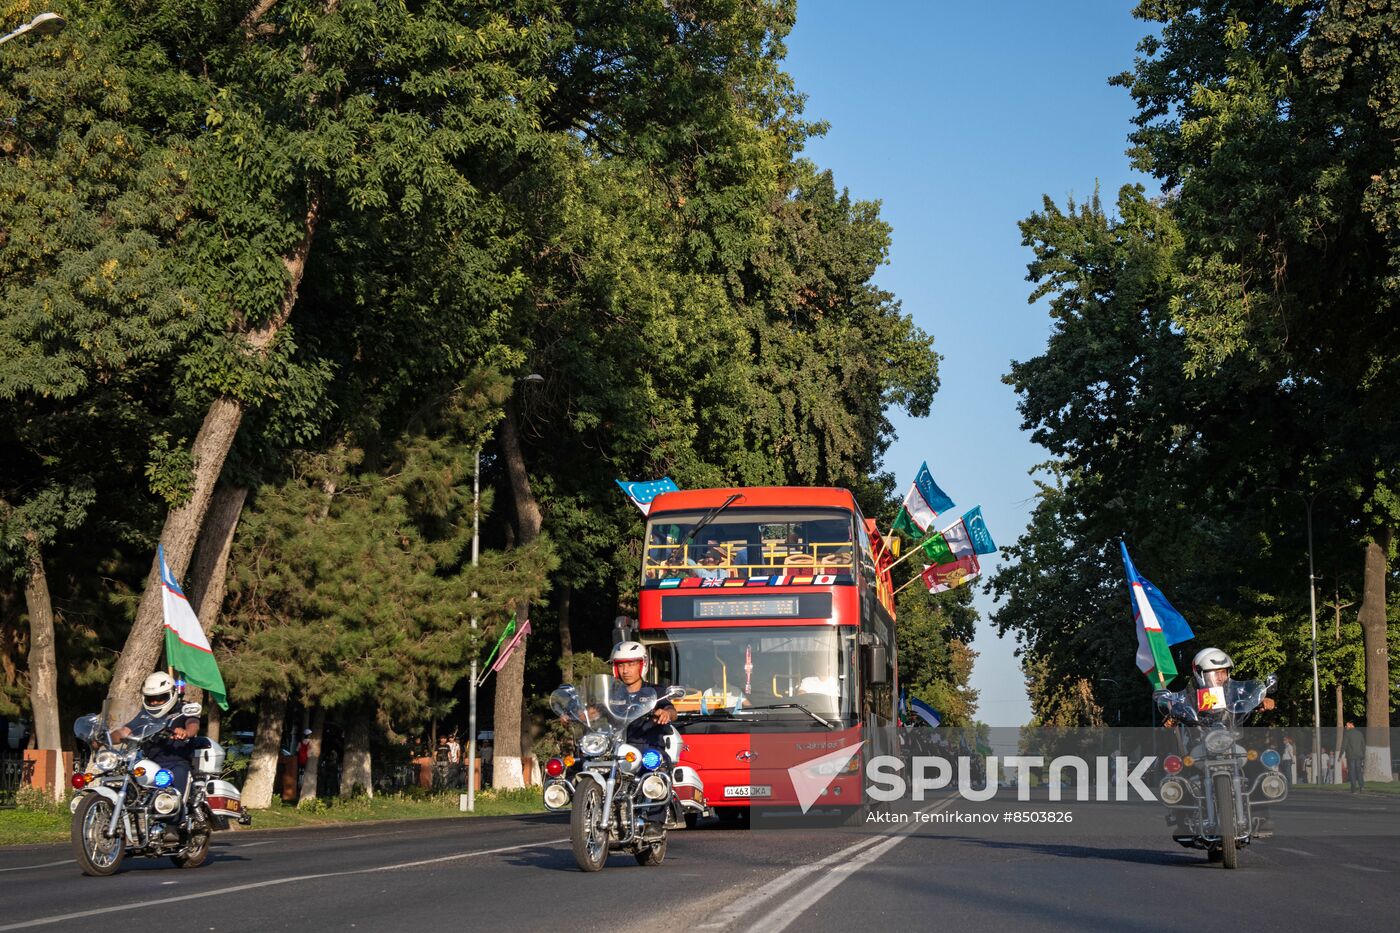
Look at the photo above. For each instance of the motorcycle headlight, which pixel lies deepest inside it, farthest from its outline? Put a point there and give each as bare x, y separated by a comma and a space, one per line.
594, 743
1273, 785
1172, 792
556, 795
106, 760
655, 786
1219, 742
165, 802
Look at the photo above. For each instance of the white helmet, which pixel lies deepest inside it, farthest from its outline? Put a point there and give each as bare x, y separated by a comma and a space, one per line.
628, 651
1209, 659
158, 694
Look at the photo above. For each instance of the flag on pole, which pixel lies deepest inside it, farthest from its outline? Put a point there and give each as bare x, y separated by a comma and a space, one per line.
1158, 624
925, 712
511, 645
922, 504
186, 648
976, 526
940, 578
642, 492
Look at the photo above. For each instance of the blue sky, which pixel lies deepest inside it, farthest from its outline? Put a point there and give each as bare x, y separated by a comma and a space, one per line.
959, 117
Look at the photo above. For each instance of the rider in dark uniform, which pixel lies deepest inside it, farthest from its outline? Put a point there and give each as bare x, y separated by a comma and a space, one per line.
175, 750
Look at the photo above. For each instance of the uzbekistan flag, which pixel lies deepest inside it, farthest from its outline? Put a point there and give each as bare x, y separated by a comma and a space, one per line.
186, 648
922, 505
925, 712
1158, 624
642, 492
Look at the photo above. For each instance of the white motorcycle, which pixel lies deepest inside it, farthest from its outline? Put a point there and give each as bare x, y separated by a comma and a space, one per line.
620, 796
126, 804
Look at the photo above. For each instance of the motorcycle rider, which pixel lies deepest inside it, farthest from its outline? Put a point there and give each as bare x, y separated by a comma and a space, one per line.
1211, 667
629, 664
173, 752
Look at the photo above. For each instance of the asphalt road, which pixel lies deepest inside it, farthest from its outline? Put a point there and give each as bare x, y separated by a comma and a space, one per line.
1334, 863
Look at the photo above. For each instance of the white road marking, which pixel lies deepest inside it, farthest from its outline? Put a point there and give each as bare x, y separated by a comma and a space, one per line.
781, 916
1294, 851
215, 892
1379, 871
726, 918
67, 861
249, 845
397, 832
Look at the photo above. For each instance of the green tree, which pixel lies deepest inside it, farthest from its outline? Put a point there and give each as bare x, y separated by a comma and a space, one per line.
1274, 125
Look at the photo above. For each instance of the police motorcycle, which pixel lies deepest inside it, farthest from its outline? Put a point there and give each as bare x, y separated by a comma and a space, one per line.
127, 805
620, 796
1211, 794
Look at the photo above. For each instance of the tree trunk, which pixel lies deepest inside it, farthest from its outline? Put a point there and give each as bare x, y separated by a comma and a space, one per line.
209, 572
183, 522
43, 660
313, 755
1373, 633
566, 636
262, 770
356, 770
507, 771
212, 726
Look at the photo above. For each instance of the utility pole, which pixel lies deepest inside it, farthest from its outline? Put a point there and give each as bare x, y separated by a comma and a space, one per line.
1336, 605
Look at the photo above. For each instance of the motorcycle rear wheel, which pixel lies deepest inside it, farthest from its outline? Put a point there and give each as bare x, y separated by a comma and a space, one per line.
653, 854
590, 843
96, 855
195, 853
1225, 816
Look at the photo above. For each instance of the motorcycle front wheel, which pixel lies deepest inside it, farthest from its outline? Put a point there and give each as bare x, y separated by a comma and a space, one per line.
590, 842
96, 855
1225, 816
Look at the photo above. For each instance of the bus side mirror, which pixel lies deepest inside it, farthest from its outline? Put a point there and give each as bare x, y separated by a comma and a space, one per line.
877, 664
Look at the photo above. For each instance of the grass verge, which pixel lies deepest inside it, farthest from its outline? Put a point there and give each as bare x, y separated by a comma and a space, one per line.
1372, 787
50, 824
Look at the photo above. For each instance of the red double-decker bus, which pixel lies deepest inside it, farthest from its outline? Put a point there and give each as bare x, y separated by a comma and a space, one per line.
772, 605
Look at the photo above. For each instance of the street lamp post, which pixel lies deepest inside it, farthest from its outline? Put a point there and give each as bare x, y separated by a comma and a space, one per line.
471, 715
45, 24
532, 379
1312, 604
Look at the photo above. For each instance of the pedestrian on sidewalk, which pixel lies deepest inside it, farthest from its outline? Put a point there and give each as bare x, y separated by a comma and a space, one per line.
1354, 747
1290, 760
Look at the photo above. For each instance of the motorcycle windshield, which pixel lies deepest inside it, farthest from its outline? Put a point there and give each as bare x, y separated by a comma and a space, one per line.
1244, 696
145, 726
1179, 705
89, 729
603, 701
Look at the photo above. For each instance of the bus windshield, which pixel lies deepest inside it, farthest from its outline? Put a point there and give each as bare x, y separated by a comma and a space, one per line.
750, 542
786, 672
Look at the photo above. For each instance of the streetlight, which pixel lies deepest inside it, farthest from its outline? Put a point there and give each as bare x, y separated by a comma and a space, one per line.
45, 24
532, 379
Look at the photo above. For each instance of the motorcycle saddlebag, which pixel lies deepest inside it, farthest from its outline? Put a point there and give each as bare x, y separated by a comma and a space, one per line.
689, 789
224, 799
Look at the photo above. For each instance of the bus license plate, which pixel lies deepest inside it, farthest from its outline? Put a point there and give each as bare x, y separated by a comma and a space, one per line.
749, 790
